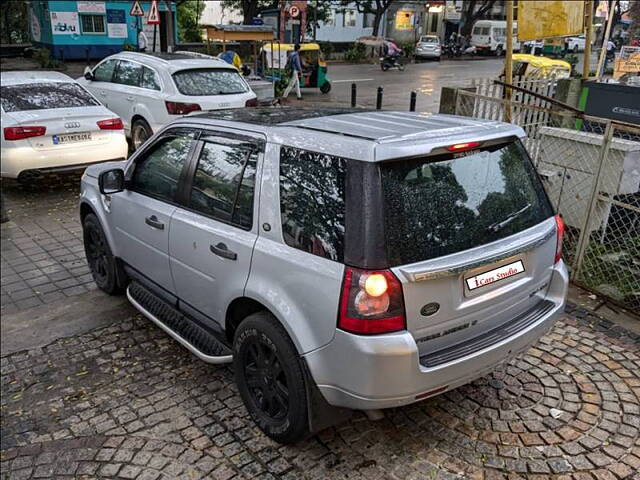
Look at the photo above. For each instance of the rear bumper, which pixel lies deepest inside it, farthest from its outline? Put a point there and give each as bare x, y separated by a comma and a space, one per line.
427, 54
17, 161
385, 371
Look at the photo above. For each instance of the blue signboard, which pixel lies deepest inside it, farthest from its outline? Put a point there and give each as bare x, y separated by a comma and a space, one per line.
116, 16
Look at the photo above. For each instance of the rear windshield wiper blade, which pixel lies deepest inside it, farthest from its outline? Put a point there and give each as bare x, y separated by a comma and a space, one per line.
495, 227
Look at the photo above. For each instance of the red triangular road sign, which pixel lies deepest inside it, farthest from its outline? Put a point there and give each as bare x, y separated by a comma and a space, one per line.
136, 10
154, 14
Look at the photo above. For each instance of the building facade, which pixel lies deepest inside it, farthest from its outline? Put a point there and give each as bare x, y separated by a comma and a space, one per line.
75, 30
345, 24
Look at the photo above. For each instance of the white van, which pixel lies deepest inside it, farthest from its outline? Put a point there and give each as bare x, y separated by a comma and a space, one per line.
490, 36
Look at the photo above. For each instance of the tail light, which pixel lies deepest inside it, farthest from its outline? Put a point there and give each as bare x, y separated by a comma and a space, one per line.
252, 102
19, 133
371, 302
559, 237
178, 108
111, 124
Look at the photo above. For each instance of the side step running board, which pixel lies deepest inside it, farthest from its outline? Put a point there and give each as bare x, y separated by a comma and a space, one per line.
194, 338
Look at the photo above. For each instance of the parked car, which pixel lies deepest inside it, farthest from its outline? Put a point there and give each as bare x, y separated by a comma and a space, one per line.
490, 36
575, 44
50, 123
342, 259
428, 47
533, 46
150, 90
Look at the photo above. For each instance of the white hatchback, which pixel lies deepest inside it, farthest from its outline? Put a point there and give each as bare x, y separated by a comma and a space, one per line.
50, 123
150, 90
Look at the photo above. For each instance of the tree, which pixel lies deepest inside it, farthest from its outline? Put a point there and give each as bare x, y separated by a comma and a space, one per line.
473, 10
377, 8
14, 27
250, 8
188, 18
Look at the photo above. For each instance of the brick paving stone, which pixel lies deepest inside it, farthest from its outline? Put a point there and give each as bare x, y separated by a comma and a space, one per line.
146, 409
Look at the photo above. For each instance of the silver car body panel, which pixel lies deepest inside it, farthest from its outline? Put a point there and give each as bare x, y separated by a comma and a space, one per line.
303, 290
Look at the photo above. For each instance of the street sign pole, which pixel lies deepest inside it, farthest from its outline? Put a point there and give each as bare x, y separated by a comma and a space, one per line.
605, 42
586, 67
155, 32
508, 61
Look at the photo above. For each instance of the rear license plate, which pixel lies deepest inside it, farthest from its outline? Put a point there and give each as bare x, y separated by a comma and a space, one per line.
71, 138
493, 276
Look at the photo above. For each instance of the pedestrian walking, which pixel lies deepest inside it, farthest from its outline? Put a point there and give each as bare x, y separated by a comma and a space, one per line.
296, 72
143, 43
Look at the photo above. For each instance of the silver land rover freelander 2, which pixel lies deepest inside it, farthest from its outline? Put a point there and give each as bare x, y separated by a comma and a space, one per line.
341, 259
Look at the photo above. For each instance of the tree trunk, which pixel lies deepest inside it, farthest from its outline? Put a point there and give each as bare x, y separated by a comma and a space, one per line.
376, 23
249, 9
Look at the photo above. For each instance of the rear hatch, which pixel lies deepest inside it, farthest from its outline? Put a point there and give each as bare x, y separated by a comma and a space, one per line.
212, 88
69, 114
471, 236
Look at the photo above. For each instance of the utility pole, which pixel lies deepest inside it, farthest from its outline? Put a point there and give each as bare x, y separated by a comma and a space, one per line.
508, 61
170, 27
605, 42
586, 67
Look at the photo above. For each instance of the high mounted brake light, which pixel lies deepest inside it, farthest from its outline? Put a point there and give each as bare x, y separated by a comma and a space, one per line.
461, 147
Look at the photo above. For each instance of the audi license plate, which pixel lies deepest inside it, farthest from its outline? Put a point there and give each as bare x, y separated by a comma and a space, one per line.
493, 276
71, 138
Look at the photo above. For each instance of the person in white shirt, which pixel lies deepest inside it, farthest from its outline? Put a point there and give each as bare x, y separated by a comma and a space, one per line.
142, 42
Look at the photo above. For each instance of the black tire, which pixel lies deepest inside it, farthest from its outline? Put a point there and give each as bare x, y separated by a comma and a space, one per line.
270, 378
99, 257
384, 66
326, 87
140, 133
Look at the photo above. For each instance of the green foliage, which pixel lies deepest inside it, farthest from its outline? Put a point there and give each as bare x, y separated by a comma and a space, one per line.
188, 14
14, 23
357, 53
409, 49
128, 47
327, 49
572, 59
250, 8
43, 57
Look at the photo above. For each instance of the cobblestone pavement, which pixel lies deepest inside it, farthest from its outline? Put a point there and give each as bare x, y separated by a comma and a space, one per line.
42, 256
127, 402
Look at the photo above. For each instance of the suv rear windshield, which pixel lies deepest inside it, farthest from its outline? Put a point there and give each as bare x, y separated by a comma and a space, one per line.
209, 81
43, 96
439, 205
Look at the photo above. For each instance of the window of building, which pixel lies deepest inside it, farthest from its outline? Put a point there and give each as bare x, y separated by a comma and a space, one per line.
331, 18
312, 202
93, 24
349, 18
368, 20
224, 182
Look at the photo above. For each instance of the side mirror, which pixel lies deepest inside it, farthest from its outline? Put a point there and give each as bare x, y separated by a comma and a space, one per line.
111, 181
88, 74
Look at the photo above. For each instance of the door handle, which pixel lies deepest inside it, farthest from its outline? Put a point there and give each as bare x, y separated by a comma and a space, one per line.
152, 221
130, 98
222, 251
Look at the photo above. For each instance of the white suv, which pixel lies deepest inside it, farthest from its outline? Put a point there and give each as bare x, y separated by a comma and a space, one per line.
149, 90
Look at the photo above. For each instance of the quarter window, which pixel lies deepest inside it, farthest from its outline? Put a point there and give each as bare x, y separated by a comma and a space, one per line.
312, 202
224, 183
104, 71
149, 79
157, 175
93, 24
128, 73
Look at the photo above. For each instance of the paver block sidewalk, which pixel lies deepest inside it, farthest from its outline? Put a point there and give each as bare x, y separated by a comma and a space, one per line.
127, 402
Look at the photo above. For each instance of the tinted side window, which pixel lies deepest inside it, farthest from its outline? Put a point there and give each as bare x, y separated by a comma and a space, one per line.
158, 173
149, 79
104, 71
312, 202
224, 182
128, 73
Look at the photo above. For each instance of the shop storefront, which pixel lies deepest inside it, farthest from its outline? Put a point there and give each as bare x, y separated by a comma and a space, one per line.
74, 30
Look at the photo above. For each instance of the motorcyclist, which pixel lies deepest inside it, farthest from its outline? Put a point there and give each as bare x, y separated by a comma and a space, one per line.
393, 51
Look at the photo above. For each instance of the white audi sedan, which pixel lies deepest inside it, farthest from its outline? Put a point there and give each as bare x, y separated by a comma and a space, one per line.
50, 123
150, 90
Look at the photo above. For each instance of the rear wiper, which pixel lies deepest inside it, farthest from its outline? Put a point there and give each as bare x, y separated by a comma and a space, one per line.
495, 227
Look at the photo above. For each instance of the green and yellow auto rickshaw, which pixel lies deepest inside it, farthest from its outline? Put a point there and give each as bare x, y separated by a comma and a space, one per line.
273, 63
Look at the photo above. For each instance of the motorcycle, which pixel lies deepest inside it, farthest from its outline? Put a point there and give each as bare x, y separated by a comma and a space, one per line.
388, 62
452, 49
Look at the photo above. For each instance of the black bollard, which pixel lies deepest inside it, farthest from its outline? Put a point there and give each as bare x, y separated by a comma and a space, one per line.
412, 102
379, 99
353, 94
